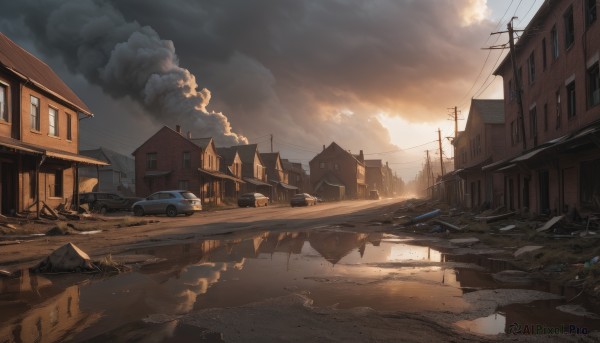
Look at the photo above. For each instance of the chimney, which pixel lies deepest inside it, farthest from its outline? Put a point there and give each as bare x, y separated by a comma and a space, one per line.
189, 135
323, 146
361, 156
178, 129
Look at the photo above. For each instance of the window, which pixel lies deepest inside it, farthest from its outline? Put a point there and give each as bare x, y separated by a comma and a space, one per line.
554, 42
594, 85
590, 12
514, 132
322, 165
3, 103
520, 76
187, 162
533, 124
569, 27
510, 90
545, 117
558, 110
55, 184
544, 62
69, 132
151, 161
184, 184
35, 113
52, 121
571, 105
531, 68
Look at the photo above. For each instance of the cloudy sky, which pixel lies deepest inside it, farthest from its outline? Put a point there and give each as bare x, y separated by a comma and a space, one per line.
375, 75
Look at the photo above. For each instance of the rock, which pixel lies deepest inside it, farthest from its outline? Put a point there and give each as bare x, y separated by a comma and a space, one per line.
464, 241
68, 258
57, 231
526, 249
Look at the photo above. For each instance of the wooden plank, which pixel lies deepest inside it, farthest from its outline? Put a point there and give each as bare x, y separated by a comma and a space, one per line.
507, 228
448, 225
550, 223
497, 217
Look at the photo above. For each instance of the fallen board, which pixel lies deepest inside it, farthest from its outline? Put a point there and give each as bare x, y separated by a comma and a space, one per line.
493, 218
550, 223
448, 225
507, 228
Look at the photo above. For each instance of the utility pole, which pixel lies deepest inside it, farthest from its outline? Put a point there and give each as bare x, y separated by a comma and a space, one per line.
271, 142
455, 122
517, 79
441, 151
518, 87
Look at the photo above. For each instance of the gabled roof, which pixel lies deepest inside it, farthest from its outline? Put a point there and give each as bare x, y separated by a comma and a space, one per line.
29, 68
335, 146
227, 155
270, 159
247, 152
203, 143
167, 130
490, 110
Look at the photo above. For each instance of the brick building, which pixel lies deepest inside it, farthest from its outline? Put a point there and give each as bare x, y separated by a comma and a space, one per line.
552, 153
336, 174
254, 172
169, 160
297, 176
481, 143
39, 134
231, 164
278, 177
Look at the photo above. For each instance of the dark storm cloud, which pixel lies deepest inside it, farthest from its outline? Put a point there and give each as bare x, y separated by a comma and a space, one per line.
307, 71
125, 59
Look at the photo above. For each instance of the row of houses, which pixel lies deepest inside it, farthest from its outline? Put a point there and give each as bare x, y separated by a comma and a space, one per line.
171, 159
538, 149
41, 164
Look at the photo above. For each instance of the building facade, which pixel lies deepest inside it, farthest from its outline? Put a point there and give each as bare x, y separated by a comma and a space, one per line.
336, 168
553, 155
39, 134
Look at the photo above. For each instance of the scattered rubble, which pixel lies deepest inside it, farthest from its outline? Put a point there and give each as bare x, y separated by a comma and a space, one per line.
70, 259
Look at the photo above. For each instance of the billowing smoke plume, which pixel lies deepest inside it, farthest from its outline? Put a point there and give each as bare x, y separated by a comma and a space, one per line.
127, 60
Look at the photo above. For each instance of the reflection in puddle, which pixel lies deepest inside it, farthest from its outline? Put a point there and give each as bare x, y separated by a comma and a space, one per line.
338, 269
491, 325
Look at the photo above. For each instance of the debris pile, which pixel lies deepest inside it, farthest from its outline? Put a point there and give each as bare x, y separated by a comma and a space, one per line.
70, 259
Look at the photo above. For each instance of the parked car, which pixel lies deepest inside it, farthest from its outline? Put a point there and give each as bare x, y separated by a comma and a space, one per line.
253, 200
374, 195
104, 202
303, 199
170, 203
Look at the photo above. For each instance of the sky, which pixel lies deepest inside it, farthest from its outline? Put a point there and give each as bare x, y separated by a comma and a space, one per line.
379, 76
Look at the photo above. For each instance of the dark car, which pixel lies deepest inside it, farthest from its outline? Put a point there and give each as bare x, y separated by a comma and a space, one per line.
104, 202
374, 195
303, 199
252, 200
170, 203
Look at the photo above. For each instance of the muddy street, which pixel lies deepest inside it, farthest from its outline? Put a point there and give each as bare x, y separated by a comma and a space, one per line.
353, 277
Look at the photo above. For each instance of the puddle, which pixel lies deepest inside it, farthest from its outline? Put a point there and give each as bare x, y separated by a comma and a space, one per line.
333, 269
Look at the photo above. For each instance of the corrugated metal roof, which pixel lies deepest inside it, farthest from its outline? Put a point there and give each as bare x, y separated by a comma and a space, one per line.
491, 110
25, 65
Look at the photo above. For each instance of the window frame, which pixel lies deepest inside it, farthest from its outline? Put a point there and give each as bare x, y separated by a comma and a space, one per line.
4, 112
53, 129
571, 100
569, 23
591, 14
531, 68
68, 126
554, 43
593, 80
151, 161
34, 115
186, 160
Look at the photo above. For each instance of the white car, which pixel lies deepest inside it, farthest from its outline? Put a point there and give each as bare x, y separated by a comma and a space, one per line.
170, 203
